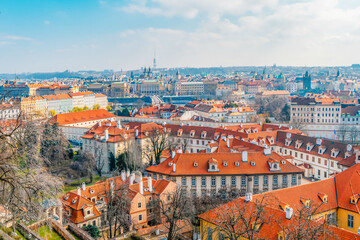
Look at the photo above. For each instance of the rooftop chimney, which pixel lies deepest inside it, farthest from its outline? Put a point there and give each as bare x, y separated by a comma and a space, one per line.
99, 123
138, 177
131, 181
172, 154
119, 125
150, 184
108, 124
83, 186
128, 173
136, 132
289, 212
141, 187
248, 197
78, 191
244, 156
106, 132
228, 143
267, 151
174, 168
123, 175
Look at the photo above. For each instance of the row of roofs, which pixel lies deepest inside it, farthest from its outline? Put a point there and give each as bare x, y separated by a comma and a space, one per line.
282, 207
314, 101
62, 96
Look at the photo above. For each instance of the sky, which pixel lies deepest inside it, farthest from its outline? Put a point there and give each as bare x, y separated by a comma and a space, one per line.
58, 35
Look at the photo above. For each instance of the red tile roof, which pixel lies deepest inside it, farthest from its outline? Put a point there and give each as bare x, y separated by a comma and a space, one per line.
83, 116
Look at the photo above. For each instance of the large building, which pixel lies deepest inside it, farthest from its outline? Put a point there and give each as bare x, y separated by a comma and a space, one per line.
210, 174
188, 88
315, 110
333, 202
76, 124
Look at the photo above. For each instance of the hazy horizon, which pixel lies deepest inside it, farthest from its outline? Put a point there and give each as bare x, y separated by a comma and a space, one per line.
54, 36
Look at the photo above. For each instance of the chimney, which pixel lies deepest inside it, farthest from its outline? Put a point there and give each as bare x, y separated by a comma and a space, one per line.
150, 184
119, 125
141, 187
108, 124
131, 181
78, 191
228, 143
136, 133
267, 151
83, 186
123, 175
248, 197
106, 132
289, 213
138, 177
174, 168
99, 123
172, 154
128, 173
244, 156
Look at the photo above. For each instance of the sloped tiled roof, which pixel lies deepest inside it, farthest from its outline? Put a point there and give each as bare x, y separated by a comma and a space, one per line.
83, 116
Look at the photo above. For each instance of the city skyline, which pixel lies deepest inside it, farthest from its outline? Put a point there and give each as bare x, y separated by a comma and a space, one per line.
44, 36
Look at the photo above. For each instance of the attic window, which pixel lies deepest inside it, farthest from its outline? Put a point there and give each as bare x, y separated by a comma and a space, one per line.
196, 164
66, 196
283, 162
216, 137
321, 150
323, 197
180, 131
170, 164
271, 140
298, 144
92, 191
334, 152
252, 163
192, 133
225, 163
305, 202
203, 134
288, 142
74, 200
354, 199
309, 147
237, 164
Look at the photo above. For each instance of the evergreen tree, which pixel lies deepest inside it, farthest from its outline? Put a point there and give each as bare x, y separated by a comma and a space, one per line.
93, 231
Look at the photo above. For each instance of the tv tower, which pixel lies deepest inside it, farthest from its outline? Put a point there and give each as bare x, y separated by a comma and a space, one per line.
154, 61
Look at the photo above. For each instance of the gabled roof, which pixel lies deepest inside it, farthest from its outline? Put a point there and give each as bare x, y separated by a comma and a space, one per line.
83, 116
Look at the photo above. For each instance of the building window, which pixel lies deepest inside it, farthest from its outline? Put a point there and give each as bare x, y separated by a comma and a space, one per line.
193, 181
209, 233
233, 181
243, 181
350, 221
223, 181
256, 181
139, 205
266, 180
213, 181
275, 180
293, 179
183, 181
140, 217
284, 180
203, 181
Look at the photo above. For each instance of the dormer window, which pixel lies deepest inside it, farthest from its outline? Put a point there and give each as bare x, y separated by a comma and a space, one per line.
309, 147
92, 191
225, 164
323, 197
252, 163
255, 130
192, 133
203, 134
347, 154
271, 140
66, 197
170, 164
354, 199
237, 164
334, 152
322, 149
213, 165
179, 133
196, 164
216, 137
275, 166
298, 144
74, 200
283, 162
305, 202
288, 141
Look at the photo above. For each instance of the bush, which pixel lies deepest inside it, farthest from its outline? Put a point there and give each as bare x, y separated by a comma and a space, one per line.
92, 230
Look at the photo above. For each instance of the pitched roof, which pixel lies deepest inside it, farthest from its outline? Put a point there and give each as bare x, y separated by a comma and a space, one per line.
185, 164
83, 116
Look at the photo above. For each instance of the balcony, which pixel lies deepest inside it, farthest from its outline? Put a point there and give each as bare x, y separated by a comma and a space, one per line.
275, 187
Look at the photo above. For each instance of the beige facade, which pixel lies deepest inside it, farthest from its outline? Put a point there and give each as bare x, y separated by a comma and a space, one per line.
189, 88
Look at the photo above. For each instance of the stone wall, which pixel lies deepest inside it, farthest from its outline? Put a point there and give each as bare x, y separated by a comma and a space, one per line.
61, 230
4, 236
27, 232
79, 232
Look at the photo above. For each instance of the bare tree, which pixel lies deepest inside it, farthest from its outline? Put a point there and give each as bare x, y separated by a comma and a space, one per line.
158, 141
353, 134
116, 212
235, 221
304, 227
99, 159
174, 207
86, 161
342, 131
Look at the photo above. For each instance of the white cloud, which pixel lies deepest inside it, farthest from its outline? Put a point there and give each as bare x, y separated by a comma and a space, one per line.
46, 22
13, 37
